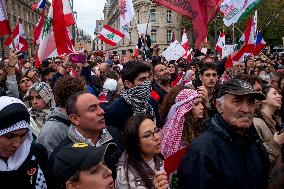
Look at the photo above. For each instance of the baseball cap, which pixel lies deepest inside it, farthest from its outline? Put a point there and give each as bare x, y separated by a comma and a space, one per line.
239, 87
78, 157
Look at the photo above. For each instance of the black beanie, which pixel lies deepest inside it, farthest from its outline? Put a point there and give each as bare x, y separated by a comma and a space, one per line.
12, 110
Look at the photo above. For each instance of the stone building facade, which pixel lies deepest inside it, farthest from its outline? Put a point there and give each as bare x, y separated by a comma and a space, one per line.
22, 9
83, 40
164, 22
99, 45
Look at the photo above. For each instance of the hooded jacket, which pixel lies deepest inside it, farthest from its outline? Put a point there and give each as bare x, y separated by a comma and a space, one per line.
221, 159
54, 130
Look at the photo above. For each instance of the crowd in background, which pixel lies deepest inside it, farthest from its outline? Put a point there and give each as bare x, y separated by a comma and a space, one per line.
121, 122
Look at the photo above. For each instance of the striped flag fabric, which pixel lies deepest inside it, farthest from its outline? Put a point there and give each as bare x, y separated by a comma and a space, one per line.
110, 35
220, 43
54, 38
19, 39
126, 16
4, 22
38, 28
259, 44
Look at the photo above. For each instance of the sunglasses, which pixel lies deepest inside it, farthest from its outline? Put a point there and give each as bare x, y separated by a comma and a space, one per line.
24, 80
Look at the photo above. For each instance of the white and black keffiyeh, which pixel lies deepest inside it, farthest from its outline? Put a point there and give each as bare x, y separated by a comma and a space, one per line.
138, 98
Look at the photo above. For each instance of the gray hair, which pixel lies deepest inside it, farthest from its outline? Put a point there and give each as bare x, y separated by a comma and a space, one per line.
222, 101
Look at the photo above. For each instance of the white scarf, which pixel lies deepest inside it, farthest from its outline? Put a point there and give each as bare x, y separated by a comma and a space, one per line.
15, 161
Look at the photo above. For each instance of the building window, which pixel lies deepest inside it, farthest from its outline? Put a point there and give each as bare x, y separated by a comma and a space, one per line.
169, 16
102, 48
169, 36
102, 42
154, 36
153, 15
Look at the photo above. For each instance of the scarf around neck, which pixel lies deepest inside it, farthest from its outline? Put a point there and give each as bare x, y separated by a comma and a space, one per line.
137, 97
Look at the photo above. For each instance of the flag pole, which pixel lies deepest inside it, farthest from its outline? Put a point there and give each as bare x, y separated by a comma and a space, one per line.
274, 18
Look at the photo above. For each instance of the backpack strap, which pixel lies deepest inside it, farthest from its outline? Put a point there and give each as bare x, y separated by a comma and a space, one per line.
60, 119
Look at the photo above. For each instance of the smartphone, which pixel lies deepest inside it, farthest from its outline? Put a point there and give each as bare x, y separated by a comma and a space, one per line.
78, 58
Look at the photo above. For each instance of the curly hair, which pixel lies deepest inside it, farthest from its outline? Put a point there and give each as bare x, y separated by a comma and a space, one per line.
65, 87
168, 101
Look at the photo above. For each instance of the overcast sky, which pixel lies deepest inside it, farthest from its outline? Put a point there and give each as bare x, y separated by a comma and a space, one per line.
88, 11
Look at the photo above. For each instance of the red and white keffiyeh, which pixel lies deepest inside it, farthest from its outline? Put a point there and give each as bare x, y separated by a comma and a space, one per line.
171, 133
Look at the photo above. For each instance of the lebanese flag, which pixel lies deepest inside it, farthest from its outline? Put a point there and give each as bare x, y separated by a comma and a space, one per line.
136, 52
4, 22
185, 45
220, 43
68, 13
249, 36
54, 39
20, 41
38, 28
110, 35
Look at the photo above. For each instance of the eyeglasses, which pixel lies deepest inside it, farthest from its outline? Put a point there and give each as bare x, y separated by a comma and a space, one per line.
149, 135
24, 80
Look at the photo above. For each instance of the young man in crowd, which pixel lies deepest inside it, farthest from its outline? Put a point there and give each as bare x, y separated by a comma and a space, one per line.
161, 86
228, 154
135, 76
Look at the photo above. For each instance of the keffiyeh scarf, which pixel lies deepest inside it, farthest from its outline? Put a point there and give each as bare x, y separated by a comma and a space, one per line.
171, 133
138, 98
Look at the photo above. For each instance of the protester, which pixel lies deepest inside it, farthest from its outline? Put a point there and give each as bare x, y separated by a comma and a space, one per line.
86, 169
41, 100
267, 125
228, 154
88, 126
140, 160
135, 76
57, 124
23, 164
8, 82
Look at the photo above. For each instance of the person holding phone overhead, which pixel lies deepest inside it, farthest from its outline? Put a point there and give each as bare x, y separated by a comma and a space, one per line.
267, 125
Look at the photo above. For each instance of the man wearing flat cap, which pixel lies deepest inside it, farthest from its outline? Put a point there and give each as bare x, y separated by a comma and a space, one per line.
229, 154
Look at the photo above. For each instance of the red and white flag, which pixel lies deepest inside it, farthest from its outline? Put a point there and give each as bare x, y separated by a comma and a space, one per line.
185, 45
55, 39
19, 38
4, 22
68, 13
220, 43
110, 35
249, 36
38, 28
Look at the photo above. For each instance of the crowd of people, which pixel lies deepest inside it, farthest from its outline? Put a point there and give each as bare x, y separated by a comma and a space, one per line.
125, 123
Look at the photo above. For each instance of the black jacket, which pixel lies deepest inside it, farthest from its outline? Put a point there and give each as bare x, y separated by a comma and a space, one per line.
27, 175
221, 159
118, 113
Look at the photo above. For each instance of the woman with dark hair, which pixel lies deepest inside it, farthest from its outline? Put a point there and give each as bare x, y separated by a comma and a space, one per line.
183, 125
141, 159
267, 125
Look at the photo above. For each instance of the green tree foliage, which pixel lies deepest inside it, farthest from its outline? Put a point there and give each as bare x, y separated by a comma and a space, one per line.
267, 10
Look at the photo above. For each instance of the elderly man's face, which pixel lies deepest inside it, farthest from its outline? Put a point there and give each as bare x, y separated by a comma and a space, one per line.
237, 111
